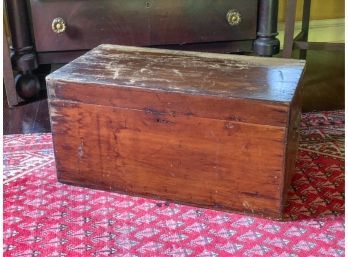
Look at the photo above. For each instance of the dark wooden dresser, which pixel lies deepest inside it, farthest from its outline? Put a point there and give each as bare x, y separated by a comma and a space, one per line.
56, 31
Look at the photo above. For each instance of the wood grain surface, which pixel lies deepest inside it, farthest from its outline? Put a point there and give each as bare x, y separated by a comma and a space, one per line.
212, 74
175, 136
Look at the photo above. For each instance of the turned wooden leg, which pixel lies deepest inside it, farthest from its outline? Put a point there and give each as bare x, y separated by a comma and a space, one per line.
267, 43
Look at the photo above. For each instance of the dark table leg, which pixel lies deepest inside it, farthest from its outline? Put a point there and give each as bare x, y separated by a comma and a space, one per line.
305, 25
266, 43
9, 82
27, 84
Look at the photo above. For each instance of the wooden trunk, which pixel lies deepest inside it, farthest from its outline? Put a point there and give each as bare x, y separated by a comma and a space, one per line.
211, 130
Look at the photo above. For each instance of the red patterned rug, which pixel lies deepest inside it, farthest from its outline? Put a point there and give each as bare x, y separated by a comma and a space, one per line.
45, 218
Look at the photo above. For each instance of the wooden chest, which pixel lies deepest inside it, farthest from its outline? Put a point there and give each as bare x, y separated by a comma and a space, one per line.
211, 130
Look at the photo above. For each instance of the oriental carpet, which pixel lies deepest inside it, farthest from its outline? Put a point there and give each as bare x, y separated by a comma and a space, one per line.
45, 218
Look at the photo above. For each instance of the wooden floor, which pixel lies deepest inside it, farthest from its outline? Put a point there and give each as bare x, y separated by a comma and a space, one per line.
324, 90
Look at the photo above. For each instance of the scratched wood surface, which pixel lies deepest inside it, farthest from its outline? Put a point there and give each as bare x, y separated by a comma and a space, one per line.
216, 131
186, 72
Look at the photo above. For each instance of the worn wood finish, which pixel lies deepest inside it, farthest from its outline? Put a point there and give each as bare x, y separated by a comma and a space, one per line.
210, 74
211, 130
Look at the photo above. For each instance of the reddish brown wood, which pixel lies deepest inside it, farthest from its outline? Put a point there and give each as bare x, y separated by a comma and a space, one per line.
211, 130
292, 140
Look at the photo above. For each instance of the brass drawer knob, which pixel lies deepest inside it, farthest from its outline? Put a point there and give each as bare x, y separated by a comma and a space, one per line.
233, 17
58, 25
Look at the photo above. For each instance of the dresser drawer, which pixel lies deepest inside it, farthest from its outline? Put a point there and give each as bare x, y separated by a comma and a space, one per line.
89, 23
